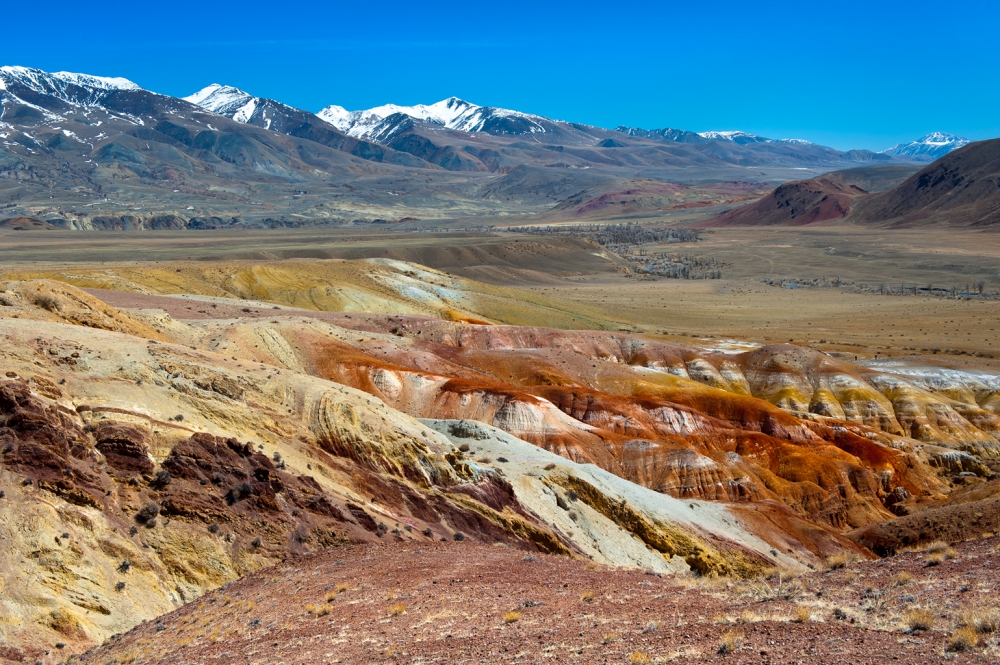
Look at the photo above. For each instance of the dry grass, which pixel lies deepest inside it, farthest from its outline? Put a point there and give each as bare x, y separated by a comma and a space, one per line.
330, 597
963, 639
341, 588
608, 638
983, 620
323, 611
841, 560
937, 557
511, 617
396, 609
919, 620
730, 641
903, 578
639, 658
802, 614
587, 596
310, 608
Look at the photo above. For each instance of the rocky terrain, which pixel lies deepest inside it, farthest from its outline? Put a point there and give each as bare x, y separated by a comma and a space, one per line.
466, 602
201, 423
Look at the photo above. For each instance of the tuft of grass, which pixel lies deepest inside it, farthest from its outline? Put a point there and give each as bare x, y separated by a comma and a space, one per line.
983, 620
903, 578
937, 557
919, 620
332, 596
639, 658
396, 609
587, 596
511, 617
841, 560
802, 614
310, 608
608, 638
341, 588
323, 611
963, 639
730, 641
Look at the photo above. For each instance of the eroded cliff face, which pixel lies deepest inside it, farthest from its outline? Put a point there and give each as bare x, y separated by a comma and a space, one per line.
677, 419
144, 460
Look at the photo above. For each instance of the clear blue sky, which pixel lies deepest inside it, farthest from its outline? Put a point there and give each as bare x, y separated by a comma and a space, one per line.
847, 74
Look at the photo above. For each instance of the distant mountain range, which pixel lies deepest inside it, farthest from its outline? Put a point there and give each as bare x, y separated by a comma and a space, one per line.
76, 148
928, 148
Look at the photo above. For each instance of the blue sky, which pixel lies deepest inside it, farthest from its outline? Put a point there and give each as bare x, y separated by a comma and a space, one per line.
846, 74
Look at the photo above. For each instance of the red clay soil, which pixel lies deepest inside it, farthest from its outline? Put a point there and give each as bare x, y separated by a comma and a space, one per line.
471, 603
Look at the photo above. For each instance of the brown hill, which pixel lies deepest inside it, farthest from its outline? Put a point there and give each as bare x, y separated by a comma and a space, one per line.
795, 203
960, 189
25, 224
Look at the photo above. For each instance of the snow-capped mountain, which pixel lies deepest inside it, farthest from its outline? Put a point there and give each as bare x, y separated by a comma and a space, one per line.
451, 113
928, 148
225, 100
683, 136
24, 85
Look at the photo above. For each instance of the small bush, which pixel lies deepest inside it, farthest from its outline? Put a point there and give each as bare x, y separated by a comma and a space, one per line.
608, 638
47, 302
323, 610
639, 658
963, 639
396, 609
802, 614
730, 641
465, 448
239, 493
256, 542
903, 578
587, 596
459, 536
162, 479
919, 620
511, 617
213, 528
147, 513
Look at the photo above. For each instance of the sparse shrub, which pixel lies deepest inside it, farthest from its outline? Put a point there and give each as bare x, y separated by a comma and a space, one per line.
459, 536
239, 493
963, 639
651, 627
323, 610
608, 638
919, 620
46, 302
530, 558
903, 578
465, 448
162, 479
125, 566
511, 617
587, 596
730, 641
572, 496
332, 596
341, 588
276, 457
120, 587
147, 513
550, 466
396, 609
310, 608
213, 528
802, 614
428, 532
839, 614
502, 460
639, 658
256, 542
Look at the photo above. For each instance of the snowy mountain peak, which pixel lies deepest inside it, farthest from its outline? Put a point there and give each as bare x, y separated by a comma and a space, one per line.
80, 89
225, 100
734, 136
450, 113
931, 146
